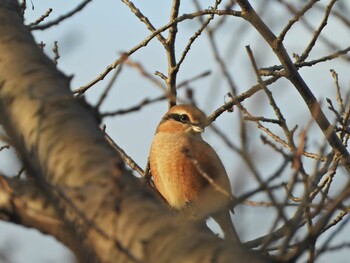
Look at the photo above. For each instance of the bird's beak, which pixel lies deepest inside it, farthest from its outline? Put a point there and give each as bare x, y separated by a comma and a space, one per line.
197, 128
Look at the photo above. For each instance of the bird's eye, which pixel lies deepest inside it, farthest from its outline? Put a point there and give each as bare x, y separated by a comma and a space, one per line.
179, 117
184, 118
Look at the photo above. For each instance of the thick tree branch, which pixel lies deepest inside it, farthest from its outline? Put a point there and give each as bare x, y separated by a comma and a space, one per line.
23, 203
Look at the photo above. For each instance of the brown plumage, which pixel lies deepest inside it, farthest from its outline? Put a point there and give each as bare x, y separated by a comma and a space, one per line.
180, 161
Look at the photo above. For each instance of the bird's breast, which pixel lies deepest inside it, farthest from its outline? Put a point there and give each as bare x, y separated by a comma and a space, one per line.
174, 174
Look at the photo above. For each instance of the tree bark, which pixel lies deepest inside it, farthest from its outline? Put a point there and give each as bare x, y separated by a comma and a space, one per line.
102, 212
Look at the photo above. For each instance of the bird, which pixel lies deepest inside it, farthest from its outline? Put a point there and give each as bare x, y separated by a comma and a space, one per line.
187, 171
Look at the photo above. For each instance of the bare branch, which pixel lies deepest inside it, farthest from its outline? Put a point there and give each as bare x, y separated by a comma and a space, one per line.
127, 159
292, 74
317, 33
150, 37
61, 18
296, 18
144, 19
42, 18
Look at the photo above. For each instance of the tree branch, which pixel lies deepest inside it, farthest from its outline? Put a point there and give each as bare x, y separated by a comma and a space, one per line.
249, 14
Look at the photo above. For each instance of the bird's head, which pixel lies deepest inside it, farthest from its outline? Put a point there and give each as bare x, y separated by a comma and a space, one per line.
186, 118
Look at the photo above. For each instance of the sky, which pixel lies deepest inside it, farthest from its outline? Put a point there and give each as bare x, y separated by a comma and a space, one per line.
95, 37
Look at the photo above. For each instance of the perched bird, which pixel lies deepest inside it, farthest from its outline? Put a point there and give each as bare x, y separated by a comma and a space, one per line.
186, 170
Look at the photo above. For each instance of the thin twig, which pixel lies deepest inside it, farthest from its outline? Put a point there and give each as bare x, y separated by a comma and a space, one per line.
150, 101
109, 86
144, 20
339, 97
317, 33
338, 219
292, 74
61, 18
42, 18
295, 19
127, 159
307, 25
194, 37
141, 69
282, 120
7, 146
150, 37
219, 59
239, 98
55, 52
20, 172
271, 71
207, 177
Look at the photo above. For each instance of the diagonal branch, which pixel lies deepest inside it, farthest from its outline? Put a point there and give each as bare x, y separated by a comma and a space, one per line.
150, 37
291, 72
61, 18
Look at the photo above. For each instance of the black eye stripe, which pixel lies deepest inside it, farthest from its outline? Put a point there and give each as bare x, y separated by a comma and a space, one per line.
179, 117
